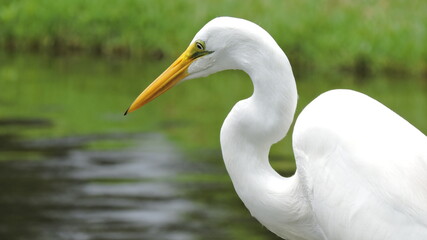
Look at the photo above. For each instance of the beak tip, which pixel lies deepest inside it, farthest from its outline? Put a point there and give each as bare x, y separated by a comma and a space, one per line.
126, 112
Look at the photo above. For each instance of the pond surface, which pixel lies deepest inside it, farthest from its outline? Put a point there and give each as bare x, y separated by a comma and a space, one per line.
73, 167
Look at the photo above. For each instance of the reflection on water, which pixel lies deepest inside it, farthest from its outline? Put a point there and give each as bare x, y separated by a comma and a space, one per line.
73, 168
139, 192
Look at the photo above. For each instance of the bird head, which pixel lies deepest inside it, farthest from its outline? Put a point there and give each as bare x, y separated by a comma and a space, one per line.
214, 48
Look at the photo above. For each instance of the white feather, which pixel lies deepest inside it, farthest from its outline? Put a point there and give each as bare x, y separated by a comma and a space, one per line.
361, 168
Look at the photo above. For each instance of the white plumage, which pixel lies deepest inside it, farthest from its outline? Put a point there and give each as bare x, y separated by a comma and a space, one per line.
361, 168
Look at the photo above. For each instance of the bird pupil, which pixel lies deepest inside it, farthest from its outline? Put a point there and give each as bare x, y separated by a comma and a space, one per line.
199, 46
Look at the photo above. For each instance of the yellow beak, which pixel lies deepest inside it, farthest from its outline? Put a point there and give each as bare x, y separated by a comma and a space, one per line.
169, 78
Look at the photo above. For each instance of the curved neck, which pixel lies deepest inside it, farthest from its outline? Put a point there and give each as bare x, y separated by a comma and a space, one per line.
253, 125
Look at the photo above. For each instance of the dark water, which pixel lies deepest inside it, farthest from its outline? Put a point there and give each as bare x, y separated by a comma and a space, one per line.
149, 191
73, 168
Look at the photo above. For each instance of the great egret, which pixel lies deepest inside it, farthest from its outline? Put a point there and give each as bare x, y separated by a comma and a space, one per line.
361, 168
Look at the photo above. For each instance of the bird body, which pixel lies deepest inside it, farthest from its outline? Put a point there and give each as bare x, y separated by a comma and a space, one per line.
361, 168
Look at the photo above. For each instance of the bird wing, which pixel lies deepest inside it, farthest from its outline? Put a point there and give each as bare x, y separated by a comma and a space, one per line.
364, 168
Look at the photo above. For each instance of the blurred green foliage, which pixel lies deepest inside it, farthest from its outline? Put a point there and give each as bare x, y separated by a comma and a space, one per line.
356, 36
86, 96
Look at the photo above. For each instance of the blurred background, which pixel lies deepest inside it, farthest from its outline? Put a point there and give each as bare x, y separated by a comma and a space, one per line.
72, 167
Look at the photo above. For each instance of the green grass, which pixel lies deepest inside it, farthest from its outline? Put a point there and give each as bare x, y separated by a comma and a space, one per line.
357, 36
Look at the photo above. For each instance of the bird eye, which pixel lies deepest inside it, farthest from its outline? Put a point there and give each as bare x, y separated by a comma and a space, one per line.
200, 45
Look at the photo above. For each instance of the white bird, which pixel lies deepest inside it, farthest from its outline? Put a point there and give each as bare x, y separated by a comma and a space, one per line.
361, 168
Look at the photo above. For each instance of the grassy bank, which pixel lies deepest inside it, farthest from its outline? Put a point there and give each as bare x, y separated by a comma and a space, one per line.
357, 36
